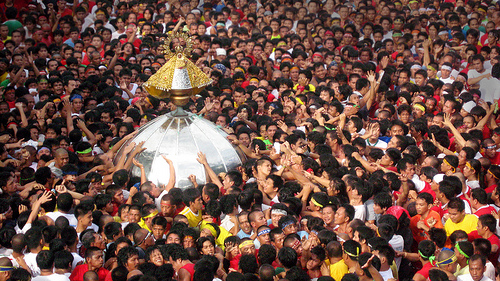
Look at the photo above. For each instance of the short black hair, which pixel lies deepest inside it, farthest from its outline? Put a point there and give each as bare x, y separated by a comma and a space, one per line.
45, 259
287, 257
125, 253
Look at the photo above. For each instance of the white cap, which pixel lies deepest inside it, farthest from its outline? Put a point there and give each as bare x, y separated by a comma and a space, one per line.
220, 52
438, 178
468, 106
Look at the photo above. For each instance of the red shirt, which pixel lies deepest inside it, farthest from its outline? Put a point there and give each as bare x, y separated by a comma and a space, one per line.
429, 190
79, 271
485, 210
494, 240
425, 270
490, 188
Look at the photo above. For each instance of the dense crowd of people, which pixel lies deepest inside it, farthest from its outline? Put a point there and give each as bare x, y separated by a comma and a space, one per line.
369, 128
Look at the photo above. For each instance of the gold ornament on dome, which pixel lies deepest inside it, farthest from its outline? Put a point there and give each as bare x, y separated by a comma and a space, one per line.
179, 78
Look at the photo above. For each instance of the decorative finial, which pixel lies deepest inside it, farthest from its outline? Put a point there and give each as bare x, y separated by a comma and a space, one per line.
178, 78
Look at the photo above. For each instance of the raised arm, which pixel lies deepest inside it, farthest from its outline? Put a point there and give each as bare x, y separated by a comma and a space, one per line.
141, 167
456, 133
171, 180
202, 159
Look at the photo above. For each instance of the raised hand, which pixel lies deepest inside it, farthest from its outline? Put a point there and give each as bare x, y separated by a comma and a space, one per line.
45, 197
166, 159
202, 158
137, 163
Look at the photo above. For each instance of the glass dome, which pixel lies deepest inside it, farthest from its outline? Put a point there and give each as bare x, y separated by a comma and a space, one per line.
180, 136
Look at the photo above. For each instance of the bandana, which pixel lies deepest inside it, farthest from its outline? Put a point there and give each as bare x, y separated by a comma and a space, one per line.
265, 231
489, 171
469, 166
416, 66
317, 55
444, 32
419, 106
445, 67
296, 244
246, 243
316, 203
449, 260
431, 258
43, 149
278, 212
71, 173
153, 214
4, 268
431, 68
88, 150
351, 254
457, 246
76, 97
448, 163
288, 223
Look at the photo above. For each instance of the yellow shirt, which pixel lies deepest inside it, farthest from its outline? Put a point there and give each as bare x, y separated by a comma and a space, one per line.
338, 270
468, 224
193, 219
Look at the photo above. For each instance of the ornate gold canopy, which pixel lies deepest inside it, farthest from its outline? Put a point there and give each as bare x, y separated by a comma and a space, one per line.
179, 77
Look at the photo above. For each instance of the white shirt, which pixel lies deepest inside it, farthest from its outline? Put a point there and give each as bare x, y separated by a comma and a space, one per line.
76, 259
387, 274
490, 270
52, 277
30, 259
488, 86
397, 243
360, 212
379, 144
71, 218
468, 277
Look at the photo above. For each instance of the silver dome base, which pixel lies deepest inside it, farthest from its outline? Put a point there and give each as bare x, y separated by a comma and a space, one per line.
179, 136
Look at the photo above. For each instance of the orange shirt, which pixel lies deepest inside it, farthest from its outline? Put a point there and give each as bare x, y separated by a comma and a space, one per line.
420, 234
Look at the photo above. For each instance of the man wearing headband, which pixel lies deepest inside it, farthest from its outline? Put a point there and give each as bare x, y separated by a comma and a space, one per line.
447, 262
446, 70
247, 247
491, 178
490, 151
426, 251
148, 213
5, 268
263, 236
